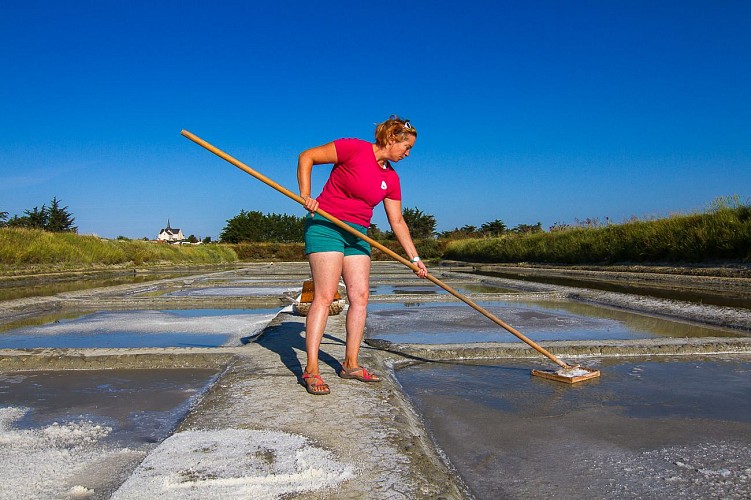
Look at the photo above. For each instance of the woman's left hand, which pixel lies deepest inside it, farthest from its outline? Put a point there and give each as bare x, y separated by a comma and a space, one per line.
423, 271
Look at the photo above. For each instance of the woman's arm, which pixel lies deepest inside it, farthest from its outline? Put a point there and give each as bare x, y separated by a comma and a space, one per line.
401, 231
305, 161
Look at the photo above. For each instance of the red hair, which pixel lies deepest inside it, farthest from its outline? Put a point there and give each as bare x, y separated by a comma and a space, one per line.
396, 128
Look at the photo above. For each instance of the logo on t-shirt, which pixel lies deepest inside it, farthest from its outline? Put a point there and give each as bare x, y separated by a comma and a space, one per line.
383, 185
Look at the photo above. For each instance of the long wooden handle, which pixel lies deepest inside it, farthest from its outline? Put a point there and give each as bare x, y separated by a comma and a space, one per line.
372, 242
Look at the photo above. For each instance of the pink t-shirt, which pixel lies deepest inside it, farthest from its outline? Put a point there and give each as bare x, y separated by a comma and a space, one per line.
357, 183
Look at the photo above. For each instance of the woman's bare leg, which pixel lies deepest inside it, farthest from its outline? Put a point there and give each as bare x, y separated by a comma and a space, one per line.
356, 274
326, 268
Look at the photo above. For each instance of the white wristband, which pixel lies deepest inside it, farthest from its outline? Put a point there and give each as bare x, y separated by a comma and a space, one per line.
416, 259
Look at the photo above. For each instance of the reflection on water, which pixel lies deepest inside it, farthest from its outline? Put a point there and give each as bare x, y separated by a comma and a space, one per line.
635, 322
696, 295
40, 320
465, 289
512, 435
403, 290
540, 320
10, 290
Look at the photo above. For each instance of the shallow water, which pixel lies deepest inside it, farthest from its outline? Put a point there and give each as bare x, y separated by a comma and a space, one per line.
697, 295
139, 405
18, 289
647, 428
234, 291
464, 289
457, 323
127, 329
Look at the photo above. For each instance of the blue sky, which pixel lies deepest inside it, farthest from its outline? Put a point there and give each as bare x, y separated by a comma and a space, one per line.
539, 111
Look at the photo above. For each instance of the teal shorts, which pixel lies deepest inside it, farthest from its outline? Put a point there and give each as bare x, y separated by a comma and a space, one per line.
321, 235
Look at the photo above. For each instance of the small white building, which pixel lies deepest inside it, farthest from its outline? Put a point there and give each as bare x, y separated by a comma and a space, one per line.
170, 234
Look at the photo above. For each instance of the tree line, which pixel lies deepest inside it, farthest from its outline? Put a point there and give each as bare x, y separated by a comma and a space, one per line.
254, 226
55, 218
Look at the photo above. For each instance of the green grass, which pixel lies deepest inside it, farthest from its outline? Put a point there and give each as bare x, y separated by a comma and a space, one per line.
723, 233
270, 251
25, 248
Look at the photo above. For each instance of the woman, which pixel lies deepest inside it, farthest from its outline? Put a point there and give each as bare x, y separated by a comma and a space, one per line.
362, 177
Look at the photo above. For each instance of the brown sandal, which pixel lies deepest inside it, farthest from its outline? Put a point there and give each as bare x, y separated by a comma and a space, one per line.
365, 377
314, 384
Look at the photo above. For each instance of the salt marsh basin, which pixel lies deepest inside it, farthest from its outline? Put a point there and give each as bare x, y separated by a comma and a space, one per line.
129, 329
649, 428
251, 416
541, 320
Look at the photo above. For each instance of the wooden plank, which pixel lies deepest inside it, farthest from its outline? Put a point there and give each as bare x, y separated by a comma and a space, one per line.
568, 380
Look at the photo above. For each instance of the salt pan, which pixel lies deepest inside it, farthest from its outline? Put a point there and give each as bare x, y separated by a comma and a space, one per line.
38, 463
233, 463
571, 373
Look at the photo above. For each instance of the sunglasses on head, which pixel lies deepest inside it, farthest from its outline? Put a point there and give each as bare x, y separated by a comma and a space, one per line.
405, 123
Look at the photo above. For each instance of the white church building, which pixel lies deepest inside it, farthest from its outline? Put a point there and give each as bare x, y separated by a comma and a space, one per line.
170, 234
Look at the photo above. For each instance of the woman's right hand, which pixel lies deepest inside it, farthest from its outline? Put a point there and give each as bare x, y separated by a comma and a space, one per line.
423, 271
311, 204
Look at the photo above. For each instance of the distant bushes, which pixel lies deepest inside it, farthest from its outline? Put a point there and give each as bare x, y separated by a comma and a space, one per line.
269, 251
723, 233
426, 248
